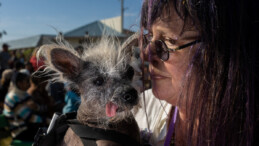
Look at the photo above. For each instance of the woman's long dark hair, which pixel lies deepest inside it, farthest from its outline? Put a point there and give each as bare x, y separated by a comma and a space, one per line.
225, 69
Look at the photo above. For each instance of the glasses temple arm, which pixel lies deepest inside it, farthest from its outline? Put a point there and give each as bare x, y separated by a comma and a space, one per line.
186, 45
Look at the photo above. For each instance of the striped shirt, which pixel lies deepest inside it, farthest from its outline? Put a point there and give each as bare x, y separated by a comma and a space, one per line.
17, 112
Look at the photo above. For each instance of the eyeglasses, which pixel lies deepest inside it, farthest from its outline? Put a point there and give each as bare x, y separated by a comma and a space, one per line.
161, 48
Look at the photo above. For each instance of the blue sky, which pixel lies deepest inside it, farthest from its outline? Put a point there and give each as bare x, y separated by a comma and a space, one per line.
25, 18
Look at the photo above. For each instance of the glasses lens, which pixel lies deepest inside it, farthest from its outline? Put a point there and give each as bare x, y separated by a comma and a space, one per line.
161, 50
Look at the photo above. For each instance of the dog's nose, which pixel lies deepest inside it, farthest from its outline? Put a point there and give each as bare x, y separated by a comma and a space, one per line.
130, 96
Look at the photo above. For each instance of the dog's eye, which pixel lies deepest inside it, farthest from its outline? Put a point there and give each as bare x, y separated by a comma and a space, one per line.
129, 73
98, 81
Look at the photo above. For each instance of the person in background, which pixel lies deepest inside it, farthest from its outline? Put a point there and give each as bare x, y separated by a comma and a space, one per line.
203, 62
29, 67
36, 63
22, 57
57, 91
18, 66
13, 59
39, 94
19, 109
72, 100
4, 58
4, 86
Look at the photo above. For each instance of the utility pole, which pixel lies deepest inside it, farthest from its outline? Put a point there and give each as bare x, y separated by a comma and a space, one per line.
122, 15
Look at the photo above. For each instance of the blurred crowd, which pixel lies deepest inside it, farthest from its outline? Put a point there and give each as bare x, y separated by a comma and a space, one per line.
29, 98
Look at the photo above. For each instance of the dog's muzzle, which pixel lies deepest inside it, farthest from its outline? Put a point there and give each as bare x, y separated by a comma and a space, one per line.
130, 96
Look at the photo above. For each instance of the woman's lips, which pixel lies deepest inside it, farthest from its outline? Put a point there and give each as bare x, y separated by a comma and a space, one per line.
158, 76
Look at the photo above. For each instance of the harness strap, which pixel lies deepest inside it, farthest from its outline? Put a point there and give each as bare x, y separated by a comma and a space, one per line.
91, 134
56, 134
88, 135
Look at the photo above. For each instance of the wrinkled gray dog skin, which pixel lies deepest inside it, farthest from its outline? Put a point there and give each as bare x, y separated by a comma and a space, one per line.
105, 75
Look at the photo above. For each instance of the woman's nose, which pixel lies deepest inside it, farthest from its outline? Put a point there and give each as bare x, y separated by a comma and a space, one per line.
148, 53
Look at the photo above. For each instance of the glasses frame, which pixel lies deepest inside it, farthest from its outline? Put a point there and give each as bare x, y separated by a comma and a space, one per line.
168, 50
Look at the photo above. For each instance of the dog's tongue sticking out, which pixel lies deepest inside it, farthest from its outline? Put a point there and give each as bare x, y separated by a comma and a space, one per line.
111, 109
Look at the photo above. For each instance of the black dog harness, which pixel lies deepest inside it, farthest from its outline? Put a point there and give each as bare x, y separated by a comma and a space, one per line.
88, 135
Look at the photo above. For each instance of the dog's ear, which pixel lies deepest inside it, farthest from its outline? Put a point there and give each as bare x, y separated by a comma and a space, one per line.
130, 43
129, 50
65, 62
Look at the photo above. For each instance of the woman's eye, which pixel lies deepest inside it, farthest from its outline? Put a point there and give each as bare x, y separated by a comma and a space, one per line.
170, 42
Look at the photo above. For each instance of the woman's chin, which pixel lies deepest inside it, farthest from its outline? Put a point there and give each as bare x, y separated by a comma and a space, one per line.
164, 95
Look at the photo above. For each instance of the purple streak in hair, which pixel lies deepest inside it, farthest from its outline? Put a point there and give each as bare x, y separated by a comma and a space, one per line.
149, 53
171, 128
190, 66
150, 4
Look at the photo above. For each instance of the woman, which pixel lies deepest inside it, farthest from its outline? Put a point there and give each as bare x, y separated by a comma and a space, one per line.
201, 58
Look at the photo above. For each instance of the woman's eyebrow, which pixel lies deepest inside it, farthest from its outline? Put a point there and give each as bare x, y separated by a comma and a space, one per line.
189, 34
166, 32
